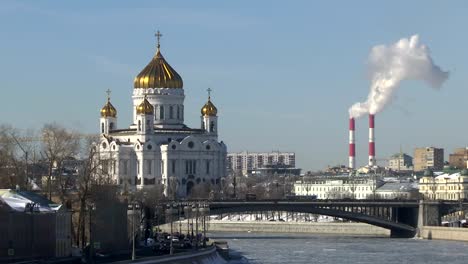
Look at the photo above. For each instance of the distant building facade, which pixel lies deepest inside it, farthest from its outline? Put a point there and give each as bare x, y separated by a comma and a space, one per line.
459, 158
245, 162
428, 158
338, 187
400, 162
398, 190
445, 186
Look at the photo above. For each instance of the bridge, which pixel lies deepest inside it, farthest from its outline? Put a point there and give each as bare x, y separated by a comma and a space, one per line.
401, 217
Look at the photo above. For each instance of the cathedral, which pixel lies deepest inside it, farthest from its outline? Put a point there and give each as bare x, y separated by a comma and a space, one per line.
158, 148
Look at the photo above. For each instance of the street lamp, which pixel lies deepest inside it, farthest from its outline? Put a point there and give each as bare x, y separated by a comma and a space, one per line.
205, 210
187, 213
170, 212
134, 206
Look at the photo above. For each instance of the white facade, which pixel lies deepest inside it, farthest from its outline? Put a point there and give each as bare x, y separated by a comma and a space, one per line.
157, 148
444, 187
245, 161
338, 188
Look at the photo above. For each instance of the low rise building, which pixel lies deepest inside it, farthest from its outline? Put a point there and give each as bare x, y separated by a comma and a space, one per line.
398, 190
444, 186
32, 226
338, 187
400, 162
459, 158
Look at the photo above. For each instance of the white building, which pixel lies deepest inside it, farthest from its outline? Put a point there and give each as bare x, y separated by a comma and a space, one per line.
400, 162
338, 188
158, 148
444, 186
248, 161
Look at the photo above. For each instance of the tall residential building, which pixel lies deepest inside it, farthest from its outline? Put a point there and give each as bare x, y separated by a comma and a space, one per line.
400, 162
459, 158
428, 158
245, 162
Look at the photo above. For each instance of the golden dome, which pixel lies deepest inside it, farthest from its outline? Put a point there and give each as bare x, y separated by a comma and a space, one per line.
108, 110
145, 108
158, 74
209, 109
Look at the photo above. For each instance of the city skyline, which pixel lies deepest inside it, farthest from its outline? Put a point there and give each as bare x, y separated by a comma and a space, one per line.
65, 56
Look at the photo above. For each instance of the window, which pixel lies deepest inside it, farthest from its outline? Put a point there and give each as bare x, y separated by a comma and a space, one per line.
125, 167
207, 167
161, 112
111, 125
102, 127
139, 125
178, 112
190, 167
149, 167
191, 144
147, 125
138, 167
173, 166
171, 112
212, 124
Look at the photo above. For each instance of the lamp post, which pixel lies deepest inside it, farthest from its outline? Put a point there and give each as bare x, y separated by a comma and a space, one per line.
170, 212
91, 207
204, 212
135, 205
187, 212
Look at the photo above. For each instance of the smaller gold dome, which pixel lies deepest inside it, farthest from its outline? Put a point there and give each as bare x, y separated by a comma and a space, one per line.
145, 108
209, 109
108, 110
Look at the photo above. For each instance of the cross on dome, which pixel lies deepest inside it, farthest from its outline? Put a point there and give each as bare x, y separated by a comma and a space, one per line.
158, 35
108, 92
209, 92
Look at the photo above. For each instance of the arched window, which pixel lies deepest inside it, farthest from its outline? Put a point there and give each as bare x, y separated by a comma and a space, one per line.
139, 125
111, 125
178, 112
171, 112
155, 112
148, 125
102, 128
161, 112
212, 124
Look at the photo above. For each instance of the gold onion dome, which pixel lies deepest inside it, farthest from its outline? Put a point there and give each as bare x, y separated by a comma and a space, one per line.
108, 110
209, 109
145, 108
158, 73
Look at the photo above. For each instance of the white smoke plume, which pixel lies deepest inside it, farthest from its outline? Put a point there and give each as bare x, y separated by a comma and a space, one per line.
389, 65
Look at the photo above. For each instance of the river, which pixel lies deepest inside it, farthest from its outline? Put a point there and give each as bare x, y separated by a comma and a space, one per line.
261, 248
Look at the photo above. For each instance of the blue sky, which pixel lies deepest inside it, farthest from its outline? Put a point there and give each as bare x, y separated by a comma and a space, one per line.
283, 73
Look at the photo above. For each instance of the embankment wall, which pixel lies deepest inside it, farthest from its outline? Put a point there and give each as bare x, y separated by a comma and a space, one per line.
288, 227
444, 233
206, 256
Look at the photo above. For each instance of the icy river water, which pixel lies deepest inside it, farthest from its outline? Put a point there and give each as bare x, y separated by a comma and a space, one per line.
261, 248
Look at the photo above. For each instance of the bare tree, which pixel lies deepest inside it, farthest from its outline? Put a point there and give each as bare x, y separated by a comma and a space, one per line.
58, 144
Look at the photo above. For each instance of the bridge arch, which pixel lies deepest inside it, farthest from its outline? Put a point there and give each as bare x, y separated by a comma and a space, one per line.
397, 229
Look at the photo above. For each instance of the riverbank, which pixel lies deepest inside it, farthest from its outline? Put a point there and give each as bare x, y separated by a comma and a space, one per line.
204, 256
444, 233
358, 229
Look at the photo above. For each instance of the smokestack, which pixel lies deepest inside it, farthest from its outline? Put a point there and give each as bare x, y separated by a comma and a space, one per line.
352, 149
371, 141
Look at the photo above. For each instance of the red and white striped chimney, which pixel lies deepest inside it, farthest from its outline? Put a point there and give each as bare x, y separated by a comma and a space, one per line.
371, 141
352, 146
